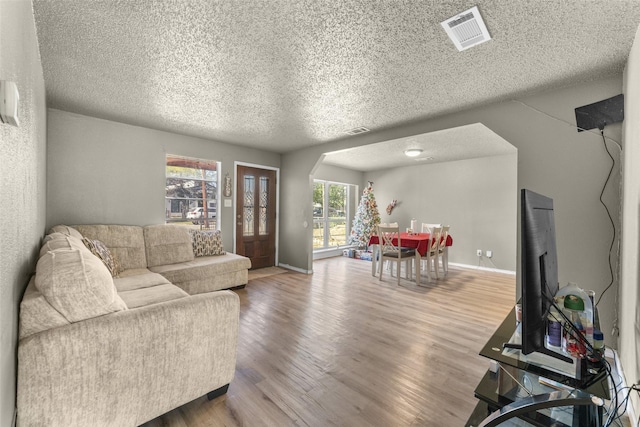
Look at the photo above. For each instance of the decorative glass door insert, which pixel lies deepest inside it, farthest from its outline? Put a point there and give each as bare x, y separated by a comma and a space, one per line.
256, 215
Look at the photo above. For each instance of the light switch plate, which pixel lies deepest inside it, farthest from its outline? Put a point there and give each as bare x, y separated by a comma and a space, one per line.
9, 98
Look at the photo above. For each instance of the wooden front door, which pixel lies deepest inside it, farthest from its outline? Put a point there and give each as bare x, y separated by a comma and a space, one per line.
256, 215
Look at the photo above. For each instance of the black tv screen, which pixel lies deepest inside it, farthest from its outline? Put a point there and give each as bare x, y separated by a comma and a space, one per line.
539, 267
539, 271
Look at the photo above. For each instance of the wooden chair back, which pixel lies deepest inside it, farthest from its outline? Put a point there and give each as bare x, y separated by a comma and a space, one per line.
443, 238
386, 235
427, 227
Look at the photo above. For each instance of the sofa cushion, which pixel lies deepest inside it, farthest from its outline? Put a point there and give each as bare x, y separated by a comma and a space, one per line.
167, 244
205, 274
77, 284
138, 279
139, 287
66, 230
152, 295
58, 240
206, 243
125, 242
100, 250
36, 314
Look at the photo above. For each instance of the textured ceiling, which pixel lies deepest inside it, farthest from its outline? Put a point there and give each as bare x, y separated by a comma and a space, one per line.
285, 74
465, 142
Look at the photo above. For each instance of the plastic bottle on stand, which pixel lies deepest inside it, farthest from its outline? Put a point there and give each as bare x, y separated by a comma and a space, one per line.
572, 343
554, 328
598, 340
582, 308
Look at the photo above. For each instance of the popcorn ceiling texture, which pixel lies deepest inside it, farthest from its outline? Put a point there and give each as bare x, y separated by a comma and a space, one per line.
280, 75
460, 143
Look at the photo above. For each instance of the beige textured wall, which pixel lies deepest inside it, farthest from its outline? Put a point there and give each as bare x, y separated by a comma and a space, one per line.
108, 172
478, 198
22, 178
629, 295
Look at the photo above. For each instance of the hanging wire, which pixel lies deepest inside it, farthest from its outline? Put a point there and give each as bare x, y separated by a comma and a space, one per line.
613, 163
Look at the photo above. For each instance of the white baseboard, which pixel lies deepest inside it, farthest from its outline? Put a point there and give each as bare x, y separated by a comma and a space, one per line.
327, 254
482, 268
330, 252
299, 270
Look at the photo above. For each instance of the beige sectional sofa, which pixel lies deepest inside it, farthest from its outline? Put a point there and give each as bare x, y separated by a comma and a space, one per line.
168, 250
102, 350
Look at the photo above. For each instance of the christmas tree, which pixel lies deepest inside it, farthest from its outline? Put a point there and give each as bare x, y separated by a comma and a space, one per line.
366, 219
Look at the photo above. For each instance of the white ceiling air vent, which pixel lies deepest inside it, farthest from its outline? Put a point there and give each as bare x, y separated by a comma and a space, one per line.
356, 131
466, 29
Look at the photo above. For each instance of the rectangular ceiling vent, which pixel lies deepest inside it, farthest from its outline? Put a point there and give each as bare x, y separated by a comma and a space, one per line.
357, 131
466, 29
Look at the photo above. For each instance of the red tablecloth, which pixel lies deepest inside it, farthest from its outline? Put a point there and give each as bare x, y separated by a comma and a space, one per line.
420, 241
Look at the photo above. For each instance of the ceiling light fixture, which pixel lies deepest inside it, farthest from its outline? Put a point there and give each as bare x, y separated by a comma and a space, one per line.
412, 152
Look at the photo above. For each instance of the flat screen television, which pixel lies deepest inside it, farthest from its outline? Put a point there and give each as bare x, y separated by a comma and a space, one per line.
539, 272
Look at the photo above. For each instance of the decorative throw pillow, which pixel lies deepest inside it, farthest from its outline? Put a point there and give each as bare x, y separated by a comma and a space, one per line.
207, 243
100, 250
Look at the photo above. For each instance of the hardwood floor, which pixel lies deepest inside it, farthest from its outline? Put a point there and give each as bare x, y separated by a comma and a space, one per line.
339, 347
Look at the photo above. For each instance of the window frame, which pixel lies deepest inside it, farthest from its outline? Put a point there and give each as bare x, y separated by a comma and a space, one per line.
201, 165
327, 221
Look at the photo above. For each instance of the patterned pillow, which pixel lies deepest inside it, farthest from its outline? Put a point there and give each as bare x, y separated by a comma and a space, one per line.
100, 250
207, 243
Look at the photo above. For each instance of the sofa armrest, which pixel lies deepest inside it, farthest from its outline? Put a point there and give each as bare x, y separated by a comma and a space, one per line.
128, 367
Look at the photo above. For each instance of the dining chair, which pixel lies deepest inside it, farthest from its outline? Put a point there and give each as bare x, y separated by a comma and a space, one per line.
443, 250
394, 252
431, 257
391, 224
426, 227
384, 224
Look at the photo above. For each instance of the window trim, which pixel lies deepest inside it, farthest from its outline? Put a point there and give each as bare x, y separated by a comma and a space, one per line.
195, 163
326, 220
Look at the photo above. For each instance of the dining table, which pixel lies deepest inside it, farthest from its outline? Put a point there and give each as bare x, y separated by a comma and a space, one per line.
418, 241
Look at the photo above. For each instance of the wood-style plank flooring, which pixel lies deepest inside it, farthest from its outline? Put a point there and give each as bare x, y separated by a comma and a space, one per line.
341, 348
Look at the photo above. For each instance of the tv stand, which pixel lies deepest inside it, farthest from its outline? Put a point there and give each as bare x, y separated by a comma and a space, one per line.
519, 387
543, 350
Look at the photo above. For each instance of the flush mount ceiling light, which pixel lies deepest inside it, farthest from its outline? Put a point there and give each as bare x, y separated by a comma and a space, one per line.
412, 152
466, 29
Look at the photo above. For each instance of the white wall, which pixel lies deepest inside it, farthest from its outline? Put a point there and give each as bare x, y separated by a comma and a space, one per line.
629, 294
22, 174
477, 198
104, 172
338, 174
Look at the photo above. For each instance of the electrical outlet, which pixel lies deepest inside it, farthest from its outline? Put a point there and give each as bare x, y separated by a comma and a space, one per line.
489, 254
479, 252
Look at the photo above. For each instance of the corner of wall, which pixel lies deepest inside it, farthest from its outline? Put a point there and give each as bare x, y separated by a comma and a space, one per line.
23, 175
629, 293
